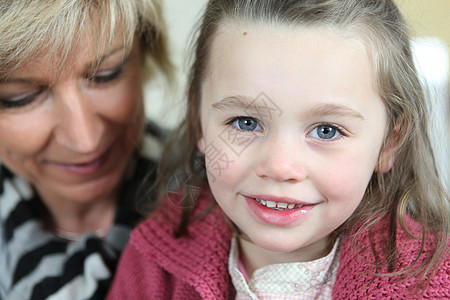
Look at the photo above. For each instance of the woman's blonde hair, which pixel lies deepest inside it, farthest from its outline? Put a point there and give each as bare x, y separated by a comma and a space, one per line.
55, 27
411, 186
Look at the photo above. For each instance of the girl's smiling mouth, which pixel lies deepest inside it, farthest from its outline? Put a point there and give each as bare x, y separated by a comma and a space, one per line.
278, 205
278, 211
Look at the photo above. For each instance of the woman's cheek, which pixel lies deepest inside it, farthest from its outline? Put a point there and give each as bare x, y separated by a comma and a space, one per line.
122, 106
20, 135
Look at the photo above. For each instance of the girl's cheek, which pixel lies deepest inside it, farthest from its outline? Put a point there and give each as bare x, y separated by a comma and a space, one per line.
346, 180
221, 161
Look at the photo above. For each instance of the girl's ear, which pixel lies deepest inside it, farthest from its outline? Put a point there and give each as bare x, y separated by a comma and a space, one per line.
201, 144
387, 158
388, 154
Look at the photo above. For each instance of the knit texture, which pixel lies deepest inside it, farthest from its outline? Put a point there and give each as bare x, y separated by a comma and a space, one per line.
357, 266
155, 265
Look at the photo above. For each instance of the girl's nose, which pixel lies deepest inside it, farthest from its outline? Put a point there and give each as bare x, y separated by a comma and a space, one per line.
282, 160
80, 127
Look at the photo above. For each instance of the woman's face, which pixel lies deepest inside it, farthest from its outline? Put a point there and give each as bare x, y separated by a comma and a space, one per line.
71, 132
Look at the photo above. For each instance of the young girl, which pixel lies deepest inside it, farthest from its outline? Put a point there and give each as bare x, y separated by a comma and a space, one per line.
307, 125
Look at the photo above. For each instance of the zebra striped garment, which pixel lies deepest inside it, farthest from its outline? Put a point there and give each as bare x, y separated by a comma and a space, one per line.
36, 264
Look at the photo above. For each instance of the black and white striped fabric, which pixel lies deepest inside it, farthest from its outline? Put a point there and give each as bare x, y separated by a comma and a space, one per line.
35, 264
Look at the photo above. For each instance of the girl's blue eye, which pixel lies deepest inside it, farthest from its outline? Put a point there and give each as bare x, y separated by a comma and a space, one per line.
325, 132
246, 124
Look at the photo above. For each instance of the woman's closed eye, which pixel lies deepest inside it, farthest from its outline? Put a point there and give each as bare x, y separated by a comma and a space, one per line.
245, 124
106, 75
327, 132
22, 99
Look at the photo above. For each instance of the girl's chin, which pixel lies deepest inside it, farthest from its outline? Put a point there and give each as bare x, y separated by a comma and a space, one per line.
283, 248
297, 250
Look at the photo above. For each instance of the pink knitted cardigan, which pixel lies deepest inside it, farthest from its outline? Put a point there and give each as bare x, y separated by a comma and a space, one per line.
155, 265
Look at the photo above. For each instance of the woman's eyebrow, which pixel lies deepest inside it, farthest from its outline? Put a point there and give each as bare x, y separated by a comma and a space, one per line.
17, 80
90, 66
94, 64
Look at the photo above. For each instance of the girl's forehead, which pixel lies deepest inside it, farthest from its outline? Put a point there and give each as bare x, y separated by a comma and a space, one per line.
290, 63
232, 34
231, 31
233, 25
231, 37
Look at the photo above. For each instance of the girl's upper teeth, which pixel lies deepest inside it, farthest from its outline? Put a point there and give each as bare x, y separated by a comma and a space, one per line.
271, 204
277, 205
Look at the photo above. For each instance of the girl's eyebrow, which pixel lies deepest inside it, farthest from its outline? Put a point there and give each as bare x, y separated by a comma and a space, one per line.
323, 109
233, 102
326, 109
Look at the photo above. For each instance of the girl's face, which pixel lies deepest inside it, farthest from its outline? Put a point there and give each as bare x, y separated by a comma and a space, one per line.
292, 130
71, 132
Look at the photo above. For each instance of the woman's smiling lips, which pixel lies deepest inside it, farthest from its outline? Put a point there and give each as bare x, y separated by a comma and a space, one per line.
278, 211
83, 168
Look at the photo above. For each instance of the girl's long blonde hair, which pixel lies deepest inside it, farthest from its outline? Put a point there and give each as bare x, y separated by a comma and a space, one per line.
412, 186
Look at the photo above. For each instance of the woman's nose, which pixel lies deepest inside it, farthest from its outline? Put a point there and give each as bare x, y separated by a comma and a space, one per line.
281, 160
80, 126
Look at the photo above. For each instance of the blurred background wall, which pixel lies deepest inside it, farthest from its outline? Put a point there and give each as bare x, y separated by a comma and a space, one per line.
430, 23
428, 17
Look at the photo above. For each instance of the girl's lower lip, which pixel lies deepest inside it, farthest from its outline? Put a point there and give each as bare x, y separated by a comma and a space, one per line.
278, 217
84, 169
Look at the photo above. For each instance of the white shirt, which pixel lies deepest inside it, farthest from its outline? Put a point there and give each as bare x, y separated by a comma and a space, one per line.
302, 280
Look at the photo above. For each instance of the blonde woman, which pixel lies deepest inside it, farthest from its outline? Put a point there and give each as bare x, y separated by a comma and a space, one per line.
74, 145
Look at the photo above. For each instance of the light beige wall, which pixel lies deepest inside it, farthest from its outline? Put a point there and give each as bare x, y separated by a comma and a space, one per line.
166, 107
431, 18
428, 17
